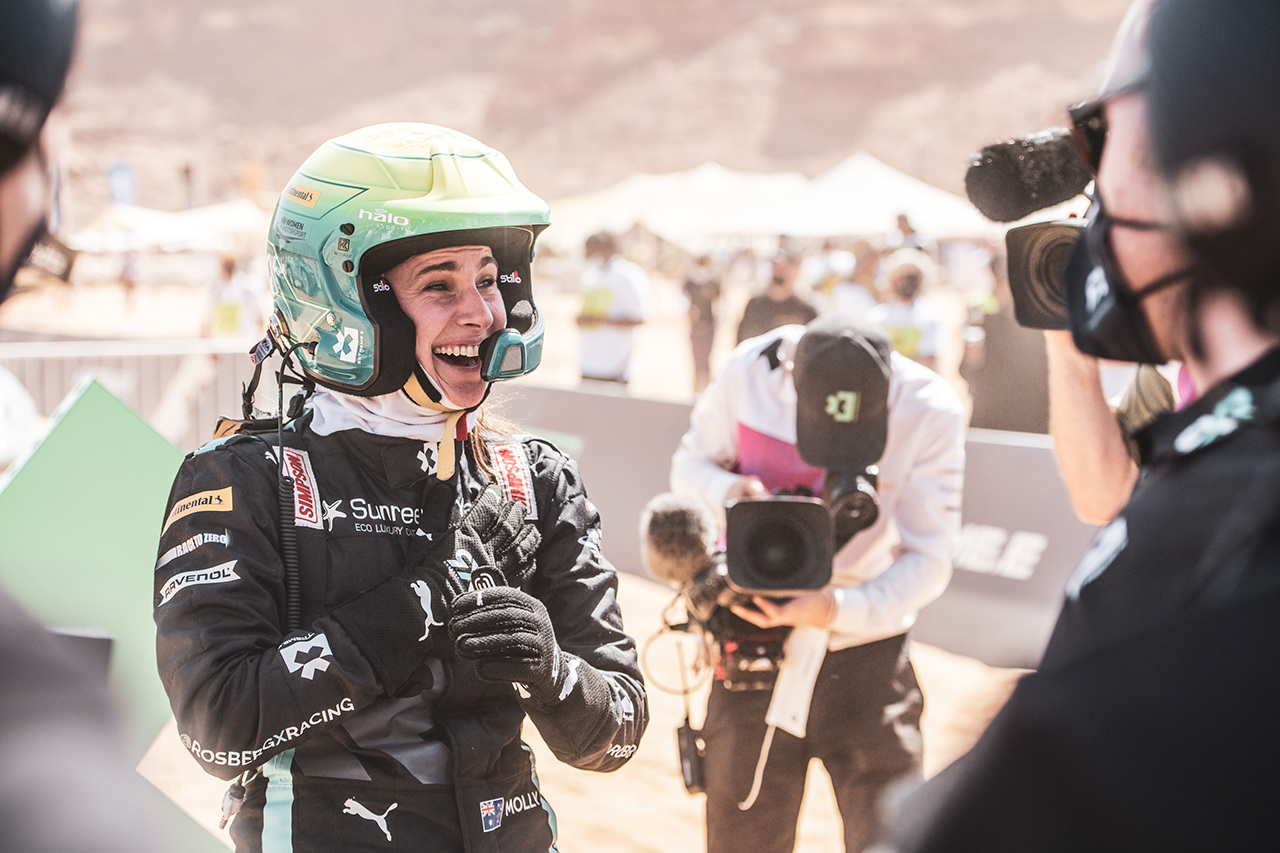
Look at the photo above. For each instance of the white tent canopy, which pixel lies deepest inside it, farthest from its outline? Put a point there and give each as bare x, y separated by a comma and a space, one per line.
236, 226
710, 204
862, 196
686, 208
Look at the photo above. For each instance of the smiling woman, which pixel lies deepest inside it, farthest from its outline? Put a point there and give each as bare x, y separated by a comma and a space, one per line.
452, 297
449, 579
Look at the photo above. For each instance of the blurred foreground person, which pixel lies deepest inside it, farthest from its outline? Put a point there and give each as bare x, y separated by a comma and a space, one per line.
65, 784
359, 605
1151, 722
808, 411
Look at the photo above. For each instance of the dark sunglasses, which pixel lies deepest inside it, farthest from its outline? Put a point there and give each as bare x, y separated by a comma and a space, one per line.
1089, 131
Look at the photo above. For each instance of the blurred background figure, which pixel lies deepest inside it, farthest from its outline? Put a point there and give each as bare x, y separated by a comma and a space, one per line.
905, 236
235, 303
616, 299
702, 290
829, 276
778, 305
847, 295
129, 263
908, 314
65, 785
1005, 367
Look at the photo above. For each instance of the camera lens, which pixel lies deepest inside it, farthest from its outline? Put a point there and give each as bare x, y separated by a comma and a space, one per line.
776, 549
1037, 256
777, 546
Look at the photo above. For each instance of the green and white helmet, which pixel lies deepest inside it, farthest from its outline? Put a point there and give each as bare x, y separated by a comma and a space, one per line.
366, 201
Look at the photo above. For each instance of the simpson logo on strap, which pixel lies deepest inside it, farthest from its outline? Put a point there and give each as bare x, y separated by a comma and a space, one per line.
516, 478
306, 494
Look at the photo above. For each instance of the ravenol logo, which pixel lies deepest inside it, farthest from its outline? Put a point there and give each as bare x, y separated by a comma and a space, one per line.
491, 814
224, 573
842, 406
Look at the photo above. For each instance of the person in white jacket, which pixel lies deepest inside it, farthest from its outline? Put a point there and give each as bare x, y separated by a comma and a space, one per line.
846, 693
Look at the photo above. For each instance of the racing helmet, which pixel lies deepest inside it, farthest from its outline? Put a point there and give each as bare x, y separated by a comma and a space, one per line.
366, 201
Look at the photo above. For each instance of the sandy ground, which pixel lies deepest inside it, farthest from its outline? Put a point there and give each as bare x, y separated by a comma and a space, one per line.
643, 807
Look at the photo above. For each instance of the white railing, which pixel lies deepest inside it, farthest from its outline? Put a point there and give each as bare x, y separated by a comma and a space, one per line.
180, 387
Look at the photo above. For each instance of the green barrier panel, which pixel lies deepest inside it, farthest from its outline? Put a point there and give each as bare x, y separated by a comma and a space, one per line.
80, 517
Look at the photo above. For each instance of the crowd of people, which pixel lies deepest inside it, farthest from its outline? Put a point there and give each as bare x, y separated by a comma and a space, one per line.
946, 306
402, 580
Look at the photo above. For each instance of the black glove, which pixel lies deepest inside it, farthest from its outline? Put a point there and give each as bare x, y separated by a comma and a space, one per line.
508, 633
396, 623
488, 546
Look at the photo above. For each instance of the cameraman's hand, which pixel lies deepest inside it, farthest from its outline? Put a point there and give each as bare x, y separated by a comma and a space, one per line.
814, 608
746, 487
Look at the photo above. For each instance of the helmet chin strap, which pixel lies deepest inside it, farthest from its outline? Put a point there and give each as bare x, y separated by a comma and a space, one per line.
423, 391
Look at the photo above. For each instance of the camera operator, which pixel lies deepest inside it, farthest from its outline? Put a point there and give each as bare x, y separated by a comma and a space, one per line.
790, 410
1151, 722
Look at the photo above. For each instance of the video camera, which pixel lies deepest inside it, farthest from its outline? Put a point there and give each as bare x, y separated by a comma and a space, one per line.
776, 546
1008, 181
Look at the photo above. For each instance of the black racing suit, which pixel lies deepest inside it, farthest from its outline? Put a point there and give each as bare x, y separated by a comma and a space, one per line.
1151, 722
374, 744
1210, 473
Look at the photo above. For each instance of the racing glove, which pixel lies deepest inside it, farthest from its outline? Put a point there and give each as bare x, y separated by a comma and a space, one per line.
508, 633
397, 623
493, 537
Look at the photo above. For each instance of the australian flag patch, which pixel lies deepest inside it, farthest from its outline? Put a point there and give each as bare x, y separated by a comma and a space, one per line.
491, 814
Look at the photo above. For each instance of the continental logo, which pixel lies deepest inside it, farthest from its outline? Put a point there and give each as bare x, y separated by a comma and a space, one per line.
218, 500
306, 496
304, 196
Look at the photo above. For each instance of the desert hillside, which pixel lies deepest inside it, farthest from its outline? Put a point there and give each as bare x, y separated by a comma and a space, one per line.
204, 98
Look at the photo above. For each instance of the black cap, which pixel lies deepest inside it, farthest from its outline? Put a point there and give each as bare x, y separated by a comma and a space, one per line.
841, 372
37, 38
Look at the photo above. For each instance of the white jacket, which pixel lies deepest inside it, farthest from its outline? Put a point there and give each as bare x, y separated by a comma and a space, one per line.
885, 574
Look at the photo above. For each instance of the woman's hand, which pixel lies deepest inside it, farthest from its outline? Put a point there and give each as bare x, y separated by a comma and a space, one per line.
813, 608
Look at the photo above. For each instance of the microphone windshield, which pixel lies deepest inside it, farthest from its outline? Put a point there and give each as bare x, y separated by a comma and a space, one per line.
677, 538
1010, 180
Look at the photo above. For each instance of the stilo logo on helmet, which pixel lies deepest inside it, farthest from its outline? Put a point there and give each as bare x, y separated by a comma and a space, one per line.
373, 198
